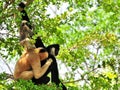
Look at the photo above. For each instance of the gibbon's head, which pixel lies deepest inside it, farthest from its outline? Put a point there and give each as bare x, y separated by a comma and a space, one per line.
27, 44
43, 53
26, 24
53, 49
25, 31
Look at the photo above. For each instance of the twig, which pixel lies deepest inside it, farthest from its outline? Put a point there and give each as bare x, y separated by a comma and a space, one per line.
74, 81
95, 57
86, 65
7, 65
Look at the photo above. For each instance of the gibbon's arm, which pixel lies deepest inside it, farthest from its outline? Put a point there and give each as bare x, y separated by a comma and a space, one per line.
39, 71
25, 16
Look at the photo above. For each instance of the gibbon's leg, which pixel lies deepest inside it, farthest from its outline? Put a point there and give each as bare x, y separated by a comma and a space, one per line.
26, 75
42, 80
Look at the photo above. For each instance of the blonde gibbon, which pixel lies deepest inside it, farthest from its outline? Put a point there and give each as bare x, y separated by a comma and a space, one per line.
28, 66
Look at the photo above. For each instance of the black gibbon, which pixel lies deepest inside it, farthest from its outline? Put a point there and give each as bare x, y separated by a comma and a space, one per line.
52, 52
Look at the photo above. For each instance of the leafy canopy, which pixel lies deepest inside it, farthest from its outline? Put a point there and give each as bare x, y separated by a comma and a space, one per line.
88, 33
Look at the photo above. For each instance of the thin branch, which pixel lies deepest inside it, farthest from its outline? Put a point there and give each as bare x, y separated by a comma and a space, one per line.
7, 65
95, 57
73, 81
86, 65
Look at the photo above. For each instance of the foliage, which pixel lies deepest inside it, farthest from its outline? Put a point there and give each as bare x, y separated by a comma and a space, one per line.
88, 33
24, 85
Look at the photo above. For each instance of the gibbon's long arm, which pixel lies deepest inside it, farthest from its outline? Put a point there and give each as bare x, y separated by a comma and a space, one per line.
24, 13
25, 16
39, 71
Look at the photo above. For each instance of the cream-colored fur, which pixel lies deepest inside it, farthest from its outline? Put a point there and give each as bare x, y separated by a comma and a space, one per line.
28, 66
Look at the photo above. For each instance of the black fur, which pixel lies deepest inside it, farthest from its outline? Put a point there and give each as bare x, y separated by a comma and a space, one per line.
24, 15
53, 67
55, 46
39, 43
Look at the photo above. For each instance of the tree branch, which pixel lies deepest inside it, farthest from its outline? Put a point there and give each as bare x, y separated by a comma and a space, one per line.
7, 65
73, 81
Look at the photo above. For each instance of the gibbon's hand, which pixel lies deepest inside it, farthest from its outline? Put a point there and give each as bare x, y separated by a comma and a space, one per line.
49, 61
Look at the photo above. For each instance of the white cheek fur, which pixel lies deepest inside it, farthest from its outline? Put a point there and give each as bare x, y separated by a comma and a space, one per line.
52, 51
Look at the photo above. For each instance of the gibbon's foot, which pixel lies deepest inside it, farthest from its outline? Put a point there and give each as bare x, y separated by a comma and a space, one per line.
42, 80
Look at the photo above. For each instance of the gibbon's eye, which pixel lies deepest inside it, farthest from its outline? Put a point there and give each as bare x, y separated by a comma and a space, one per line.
42, 50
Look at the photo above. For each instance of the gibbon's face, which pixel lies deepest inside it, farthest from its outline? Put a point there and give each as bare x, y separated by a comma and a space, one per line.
43, 54
53, 49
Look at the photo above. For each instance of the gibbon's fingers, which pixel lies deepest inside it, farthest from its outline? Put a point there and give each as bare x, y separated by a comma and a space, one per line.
49, 61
